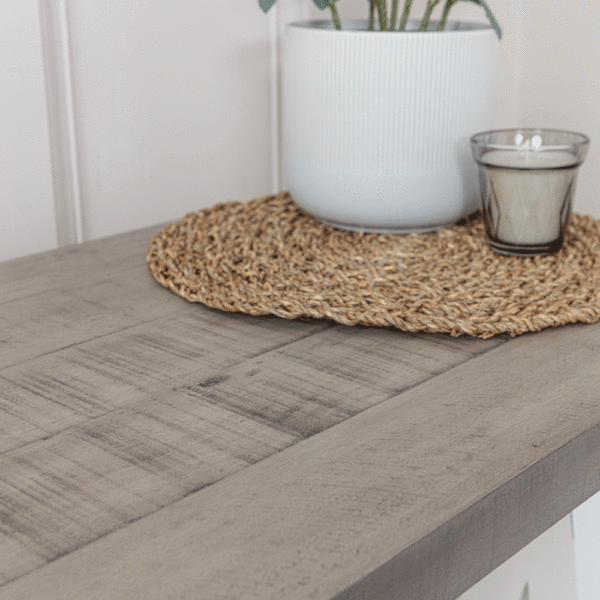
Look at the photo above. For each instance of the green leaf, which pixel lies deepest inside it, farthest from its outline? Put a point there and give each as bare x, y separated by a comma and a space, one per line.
490, 17
266, 4
321, 4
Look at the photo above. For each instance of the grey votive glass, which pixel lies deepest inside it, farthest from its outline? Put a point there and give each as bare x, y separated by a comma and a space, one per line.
527, 179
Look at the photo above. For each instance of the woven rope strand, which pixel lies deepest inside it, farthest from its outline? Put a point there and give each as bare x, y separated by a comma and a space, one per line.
266, 256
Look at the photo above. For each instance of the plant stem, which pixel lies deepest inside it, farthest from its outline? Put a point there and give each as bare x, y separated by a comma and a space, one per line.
382, 9
431, 4
394, 17
447, 7
372, 15
405, 14
335, 15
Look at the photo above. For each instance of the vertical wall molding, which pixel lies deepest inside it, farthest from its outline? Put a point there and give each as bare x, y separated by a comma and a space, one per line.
70, 226
275, 70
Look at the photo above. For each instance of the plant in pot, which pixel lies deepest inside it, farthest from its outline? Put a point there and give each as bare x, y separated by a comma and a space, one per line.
377, 115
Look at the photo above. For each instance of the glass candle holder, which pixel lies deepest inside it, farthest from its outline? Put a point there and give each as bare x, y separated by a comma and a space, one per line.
527, 179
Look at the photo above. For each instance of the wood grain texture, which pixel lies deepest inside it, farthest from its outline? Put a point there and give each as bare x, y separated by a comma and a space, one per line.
47, 394
56, 319
118, 399
150, 448
135, 421
74, 265
416, 498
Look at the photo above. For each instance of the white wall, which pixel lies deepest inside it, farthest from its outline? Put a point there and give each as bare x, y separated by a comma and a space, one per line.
26, 199
560, 80
155, 109
172, 107
586, 521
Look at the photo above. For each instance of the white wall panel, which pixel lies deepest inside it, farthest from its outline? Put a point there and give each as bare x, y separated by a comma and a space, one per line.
586, 518
172, 107
27, 222
560, 80
63, 143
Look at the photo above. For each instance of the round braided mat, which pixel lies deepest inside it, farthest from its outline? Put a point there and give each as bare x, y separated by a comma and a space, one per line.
266, 256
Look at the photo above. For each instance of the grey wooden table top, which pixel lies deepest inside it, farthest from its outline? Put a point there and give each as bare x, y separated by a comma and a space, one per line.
156, 449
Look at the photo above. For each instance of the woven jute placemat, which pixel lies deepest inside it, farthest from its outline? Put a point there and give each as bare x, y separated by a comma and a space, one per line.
266, 256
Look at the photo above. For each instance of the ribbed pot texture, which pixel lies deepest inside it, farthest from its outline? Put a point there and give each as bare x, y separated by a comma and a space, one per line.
376, 125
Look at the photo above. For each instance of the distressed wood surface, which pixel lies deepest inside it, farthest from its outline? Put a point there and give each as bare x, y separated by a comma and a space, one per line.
151, 448
74, 265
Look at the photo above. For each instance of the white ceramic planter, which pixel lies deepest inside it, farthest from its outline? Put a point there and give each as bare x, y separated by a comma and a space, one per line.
376, 125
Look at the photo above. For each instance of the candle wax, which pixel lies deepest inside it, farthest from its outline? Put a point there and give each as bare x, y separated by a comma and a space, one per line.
528, 188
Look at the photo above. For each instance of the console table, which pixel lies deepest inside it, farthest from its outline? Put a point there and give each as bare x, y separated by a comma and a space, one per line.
155, 449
